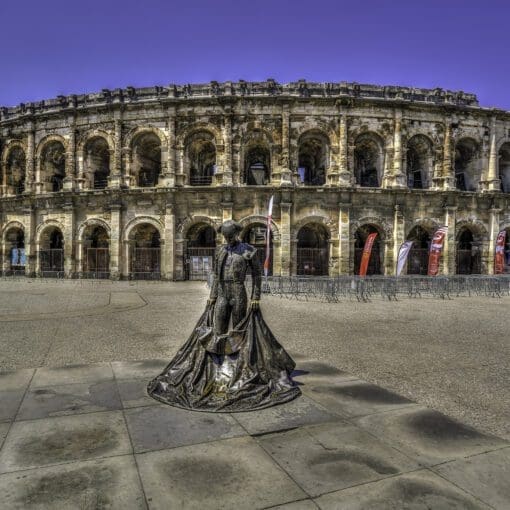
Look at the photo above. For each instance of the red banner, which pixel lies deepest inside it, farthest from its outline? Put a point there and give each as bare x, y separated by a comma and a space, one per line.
436, 247
499, 256
367, 250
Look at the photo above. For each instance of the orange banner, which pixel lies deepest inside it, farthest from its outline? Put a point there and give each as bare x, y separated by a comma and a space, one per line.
436, 248
367, 250
499, 256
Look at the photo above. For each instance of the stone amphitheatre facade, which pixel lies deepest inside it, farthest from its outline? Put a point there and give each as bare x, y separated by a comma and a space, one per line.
132, 183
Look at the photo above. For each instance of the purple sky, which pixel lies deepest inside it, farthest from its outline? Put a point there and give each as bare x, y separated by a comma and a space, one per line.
54, 47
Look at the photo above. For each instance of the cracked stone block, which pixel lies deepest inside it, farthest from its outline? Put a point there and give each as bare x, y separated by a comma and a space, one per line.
230, 474
105, 483
16, 380
298, 412
485, 475
355, 398
55, 376
133, 393
144, 369
69, 399
9, 404
162, 426
64, 439
412, 491
329, 457
427, 435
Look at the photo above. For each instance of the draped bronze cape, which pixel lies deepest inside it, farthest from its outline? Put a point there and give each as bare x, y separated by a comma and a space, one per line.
243, 370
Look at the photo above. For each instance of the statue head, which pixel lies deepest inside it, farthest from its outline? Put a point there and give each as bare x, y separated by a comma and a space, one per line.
230, 229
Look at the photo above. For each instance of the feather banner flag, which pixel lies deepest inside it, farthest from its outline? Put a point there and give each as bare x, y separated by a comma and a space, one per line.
405, 248
499, 256
436, 247
268, 237
367, 250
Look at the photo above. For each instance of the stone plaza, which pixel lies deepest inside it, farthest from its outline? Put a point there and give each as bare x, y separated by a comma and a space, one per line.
405, 404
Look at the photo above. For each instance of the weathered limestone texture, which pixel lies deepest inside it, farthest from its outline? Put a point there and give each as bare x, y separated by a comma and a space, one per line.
132, 183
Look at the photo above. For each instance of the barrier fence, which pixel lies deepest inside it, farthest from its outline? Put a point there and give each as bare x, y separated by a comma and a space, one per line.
364, 289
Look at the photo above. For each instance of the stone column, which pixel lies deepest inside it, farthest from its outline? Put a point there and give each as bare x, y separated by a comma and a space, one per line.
168, 251
344, 228
447, 179
493, 235
227, 157
167, 177
68, 183
286, 172
115, 178
447, 263
115, 241
30, 248
181, 179
398, 179
399, 235
344, 177
80, 170
493, 183
285, 224
68, 240
30, 168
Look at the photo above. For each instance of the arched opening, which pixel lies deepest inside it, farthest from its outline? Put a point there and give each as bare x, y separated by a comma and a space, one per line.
368, 161
145, 256
257, 165
53, 166
467, 165
506, 251
15, 250
201, 244
313, 157
97, 163
96, 252
15, 171
504, 167
313, 250
375, 261
418, 162
51, 253
255, 235
201, 156
468, 253
146, 166
418, 258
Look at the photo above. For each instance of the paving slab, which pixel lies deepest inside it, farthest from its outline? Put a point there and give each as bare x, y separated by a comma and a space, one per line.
421, 490
355, 398
16, 379
4, 428
163, 426
300, 411
133, 393
69, 374
229, 474
487, 476
48, 441
305, 504
146, 369
333, 456
106, 483
9, 404
69, 399
427, 435
308, 371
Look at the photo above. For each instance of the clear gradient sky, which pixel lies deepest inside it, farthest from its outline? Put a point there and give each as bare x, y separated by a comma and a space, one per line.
52, 47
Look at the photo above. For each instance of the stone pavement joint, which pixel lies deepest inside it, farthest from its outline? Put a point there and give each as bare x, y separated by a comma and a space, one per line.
88, 436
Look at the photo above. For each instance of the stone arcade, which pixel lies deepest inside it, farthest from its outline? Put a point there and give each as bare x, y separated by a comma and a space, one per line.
132, 183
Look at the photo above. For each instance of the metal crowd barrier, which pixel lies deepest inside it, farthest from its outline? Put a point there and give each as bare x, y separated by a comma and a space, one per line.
364, 289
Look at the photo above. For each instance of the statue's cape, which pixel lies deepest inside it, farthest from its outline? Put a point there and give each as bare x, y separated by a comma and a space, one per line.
243, 370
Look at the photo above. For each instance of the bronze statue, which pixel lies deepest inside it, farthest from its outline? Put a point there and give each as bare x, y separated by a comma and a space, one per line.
229, 369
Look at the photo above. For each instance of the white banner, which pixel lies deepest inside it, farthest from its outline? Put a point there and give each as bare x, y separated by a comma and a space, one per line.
402, 255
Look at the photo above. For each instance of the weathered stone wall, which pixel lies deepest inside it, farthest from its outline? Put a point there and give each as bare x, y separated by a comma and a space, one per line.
235, 118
